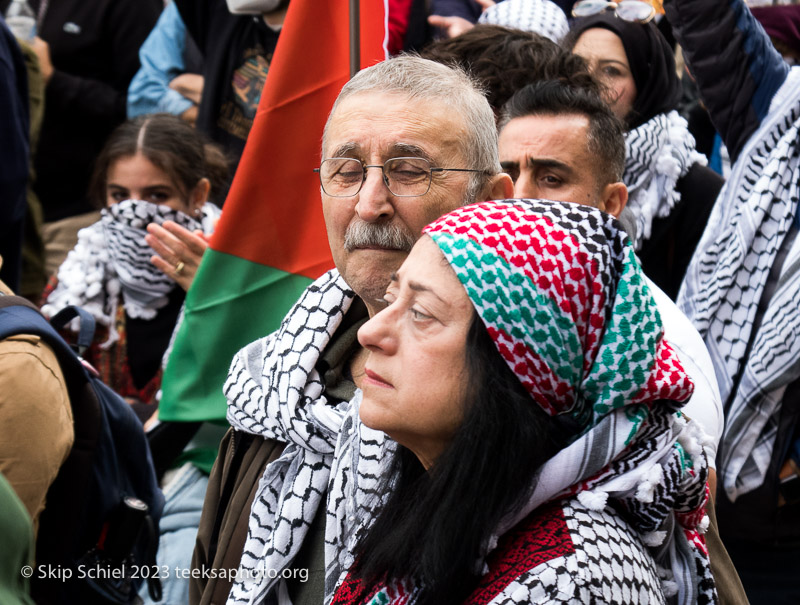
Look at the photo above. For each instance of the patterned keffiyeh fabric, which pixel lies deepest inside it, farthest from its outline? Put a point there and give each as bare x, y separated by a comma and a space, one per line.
274, 390
658, 154
111, 257
538, 16
747, 231
565, 301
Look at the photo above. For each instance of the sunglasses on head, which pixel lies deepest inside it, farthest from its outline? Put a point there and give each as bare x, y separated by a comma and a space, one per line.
636, 11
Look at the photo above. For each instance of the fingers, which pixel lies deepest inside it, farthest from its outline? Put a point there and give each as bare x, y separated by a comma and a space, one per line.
179, 240
182, 273
486, 3
178, 251
453, 26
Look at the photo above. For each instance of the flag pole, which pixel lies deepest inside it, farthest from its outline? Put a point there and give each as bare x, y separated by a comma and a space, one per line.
355, 39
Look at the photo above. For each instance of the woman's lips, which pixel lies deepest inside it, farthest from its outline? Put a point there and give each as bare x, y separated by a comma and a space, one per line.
377, 379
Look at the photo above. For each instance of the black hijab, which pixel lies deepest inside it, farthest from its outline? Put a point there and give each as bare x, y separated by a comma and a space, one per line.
652, 62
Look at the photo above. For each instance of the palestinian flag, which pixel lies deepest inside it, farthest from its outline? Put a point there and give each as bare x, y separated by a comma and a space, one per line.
271, 241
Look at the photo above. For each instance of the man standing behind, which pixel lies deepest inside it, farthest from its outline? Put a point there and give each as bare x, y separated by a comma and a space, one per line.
564, 144
407, 141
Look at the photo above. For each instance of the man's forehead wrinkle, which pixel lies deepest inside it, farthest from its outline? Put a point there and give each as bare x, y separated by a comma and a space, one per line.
410, 150
345, 149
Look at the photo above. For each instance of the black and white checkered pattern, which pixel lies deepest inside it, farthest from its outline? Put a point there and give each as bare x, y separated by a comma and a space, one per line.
538, 16
112, 258
725, 281
658, 154
274, 390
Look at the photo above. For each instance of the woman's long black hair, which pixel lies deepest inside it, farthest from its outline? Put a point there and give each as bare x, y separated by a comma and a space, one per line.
435, 524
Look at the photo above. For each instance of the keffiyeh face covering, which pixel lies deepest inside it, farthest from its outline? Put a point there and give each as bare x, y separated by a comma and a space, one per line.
111, 257
144, 288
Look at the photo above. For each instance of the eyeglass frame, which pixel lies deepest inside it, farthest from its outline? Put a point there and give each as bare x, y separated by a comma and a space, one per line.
610, 4
385, 179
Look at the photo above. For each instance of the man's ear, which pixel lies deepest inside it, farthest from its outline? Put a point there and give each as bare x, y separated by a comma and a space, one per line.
499, 187
614, 197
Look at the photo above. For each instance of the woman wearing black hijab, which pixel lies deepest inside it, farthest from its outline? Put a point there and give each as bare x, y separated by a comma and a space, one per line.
671, 192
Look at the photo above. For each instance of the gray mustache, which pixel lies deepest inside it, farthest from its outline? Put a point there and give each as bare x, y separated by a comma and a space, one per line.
362, 235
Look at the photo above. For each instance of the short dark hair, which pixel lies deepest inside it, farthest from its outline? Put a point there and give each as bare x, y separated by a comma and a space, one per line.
182, 152
504, 60
436, 524
606, 134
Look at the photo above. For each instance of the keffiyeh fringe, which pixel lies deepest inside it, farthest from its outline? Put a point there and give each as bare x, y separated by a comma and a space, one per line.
659, 153
90, 276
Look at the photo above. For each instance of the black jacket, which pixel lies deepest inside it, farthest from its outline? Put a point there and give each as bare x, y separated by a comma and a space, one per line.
94, 46
237, 51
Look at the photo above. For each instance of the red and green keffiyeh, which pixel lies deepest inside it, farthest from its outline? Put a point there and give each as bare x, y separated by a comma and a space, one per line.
566, 304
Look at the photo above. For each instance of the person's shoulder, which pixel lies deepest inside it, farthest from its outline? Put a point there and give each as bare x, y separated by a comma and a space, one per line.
679, 330
567, 553
614, 565
705, 405
27, 360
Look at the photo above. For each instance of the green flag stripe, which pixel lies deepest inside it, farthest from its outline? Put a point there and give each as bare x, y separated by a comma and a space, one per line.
217, 323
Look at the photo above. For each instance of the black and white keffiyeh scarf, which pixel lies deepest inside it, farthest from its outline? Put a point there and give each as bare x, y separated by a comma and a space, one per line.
274, 391
111, 257
726, 279
658, 154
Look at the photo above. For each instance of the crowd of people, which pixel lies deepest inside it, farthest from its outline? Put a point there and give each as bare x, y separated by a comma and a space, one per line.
556, 360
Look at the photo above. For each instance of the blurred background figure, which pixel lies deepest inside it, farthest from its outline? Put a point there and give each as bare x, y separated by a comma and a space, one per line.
671, 191
169, 79
14, 132
782, 24
504, 60
88, 53
455, 17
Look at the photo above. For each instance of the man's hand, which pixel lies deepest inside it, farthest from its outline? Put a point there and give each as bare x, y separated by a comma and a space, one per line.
190, 86
42, 50
452, 26
455, 26
190, 115
179, 251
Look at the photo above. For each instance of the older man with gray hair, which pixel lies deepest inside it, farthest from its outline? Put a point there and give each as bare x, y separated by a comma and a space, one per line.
406, 141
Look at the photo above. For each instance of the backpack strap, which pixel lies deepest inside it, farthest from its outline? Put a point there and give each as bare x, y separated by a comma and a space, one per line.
19, 316
87, 325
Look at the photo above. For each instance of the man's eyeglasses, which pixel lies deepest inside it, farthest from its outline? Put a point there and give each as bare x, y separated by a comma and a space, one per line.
404, 177
636, 11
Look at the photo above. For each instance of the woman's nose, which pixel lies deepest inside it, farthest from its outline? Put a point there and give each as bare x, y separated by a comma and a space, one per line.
378, 333
374, 199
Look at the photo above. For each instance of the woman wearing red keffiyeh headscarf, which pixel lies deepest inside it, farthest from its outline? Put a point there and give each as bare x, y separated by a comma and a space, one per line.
541, 455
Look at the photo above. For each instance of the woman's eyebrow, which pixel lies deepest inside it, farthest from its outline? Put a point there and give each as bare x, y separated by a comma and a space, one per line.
601, 61
418, 287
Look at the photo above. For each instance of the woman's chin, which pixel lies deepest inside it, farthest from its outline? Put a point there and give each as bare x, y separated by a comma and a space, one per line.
369, 412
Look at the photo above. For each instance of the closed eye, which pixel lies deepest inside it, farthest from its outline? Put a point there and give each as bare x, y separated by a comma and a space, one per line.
419, 315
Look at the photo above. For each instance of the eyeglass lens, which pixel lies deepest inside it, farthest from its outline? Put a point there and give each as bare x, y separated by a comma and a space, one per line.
343, 177
629, 10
